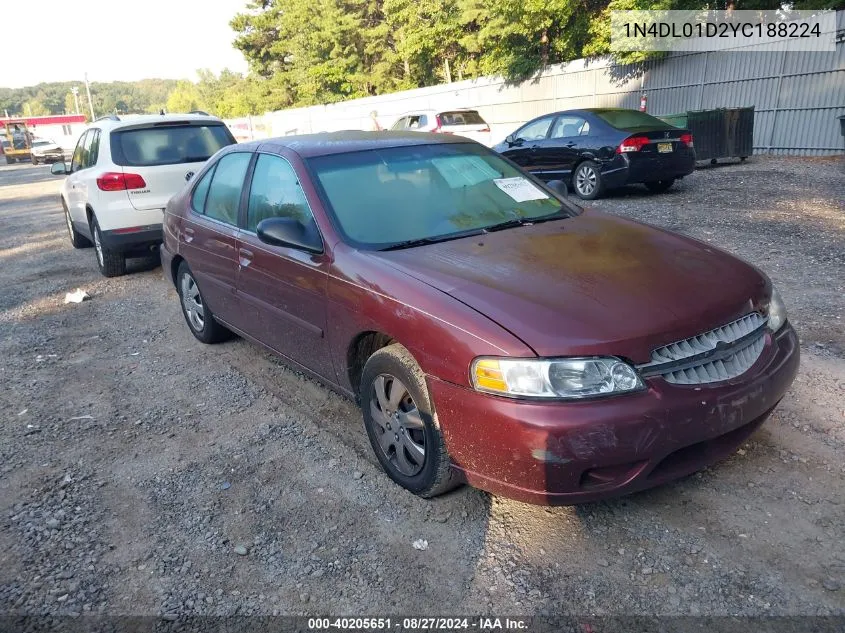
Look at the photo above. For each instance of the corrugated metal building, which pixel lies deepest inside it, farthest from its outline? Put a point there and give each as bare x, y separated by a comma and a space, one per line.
797, 95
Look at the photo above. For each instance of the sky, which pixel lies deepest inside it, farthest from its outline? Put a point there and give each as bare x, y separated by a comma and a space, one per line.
119, 40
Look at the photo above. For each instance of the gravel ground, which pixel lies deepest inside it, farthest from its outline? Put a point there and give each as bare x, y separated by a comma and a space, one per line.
144, 473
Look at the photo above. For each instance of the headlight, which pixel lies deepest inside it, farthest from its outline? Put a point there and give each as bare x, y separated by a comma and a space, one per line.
777, 312
561, 378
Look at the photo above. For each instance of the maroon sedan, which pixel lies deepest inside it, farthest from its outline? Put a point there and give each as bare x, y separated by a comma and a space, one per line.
492, 332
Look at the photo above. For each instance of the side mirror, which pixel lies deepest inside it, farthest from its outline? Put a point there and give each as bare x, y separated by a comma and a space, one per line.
59, 169
559, 187
290, 233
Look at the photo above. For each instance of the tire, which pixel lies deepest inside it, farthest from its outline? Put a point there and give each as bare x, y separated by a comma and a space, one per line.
659, 186
10, 161
34, 160
76, 238
587, 181
392, 373
199, 317
111, 263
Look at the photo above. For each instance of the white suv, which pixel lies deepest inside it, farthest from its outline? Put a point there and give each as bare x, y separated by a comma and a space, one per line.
466, 123
122, 174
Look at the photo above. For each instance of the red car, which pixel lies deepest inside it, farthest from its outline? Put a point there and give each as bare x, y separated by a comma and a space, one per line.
492, 332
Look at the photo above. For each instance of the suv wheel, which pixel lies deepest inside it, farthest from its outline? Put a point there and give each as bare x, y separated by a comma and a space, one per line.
198, 315
400, 423
76, 238
111, 263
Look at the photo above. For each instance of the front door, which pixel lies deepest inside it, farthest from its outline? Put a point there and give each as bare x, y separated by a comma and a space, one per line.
209, 238
283, 290
526, 140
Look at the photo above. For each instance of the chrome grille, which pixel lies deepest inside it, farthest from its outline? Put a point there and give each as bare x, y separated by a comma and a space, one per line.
720, 354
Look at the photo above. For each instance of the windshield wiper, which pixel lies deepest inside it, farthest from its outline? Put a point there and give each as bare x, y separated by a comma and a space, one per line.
432, 240
509, 224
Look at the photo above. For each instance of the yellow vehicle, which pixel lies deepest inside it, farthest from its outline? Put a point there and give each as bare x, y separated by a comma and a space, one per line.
15, 141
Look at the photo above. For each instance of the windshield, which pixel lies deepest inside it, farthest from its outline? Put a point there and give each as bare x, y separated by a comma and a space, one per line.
41, 143
631, 120
383, 197
168, 144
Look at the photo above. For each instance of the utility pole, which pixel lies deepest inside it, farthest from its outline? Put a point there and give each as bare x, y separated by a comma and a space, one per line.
75, 92
90, 103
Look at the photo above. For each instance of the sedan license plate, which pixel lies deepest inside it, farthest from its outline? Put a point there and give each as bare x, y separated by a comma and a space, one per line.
664, 147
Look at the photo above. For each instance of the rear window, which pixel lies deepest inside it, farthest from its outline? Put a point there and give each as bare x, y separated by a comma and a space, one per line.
464, 117
168, 144
631, 119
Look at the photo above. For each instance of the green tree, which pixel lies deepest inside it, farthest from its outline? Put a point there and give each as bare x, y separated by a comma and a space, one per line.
34, 107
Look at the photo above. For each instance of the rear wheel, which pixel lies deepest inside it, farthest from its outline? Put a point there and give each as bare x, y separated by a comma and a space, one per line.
399, 420
76, 238
658, 186
10, 160
197, 314
587, 181
111, 263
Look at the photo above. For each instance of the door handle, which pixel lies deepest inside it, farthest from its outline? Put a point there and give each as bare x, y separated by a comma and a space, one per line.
188, 234
571, 144
245, 257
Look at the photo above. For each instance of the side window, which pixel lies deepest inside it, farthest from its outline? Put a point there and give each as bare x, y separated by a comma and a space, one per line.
416, 122
76, 161
276, 193
400, 124
570, 126
94, 150
201, 192
224, 194
535, 131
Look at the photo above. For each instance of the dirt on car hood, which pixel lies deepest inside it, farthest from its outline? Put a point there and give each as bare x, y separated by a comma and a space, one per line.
591, 284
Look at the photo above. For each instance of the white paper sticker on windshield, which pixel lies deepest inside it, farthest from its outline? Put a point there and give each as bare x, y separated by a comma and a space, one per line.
520, 189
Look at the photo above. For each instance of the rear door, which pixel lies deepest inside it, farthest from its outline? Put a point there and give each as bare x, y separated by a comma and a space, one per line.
208, 240
283, 290
556, 155
79, 181
165, 155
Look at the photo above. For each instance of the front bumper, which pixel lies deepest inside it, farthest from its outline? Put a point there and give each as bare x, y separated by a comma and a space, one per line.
574, 452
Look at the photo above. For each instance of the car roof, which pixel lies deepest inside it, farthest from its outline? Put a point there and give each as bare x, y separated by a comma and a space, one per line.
430, 110
327, 143
112, 122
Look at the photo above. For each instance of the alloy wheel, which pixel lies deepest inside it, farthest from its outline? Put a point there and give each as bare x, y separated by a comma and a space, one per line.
585, 180
399, 427
192, 302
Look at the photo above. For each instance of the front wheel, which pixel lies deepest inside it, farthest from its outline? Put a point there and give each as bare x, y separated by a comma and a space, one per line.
197, 314
111, 263
587, 181
659, 186
77, 240
34, 160
400, 423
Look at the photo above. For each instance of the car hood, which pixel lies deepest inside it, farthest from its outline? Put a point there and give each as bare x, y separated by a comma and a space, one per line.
591, 284
46, 148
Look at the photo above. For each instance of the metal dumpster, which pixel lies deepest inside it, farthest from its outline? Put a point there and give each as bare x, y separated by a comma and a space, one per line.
721, 133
